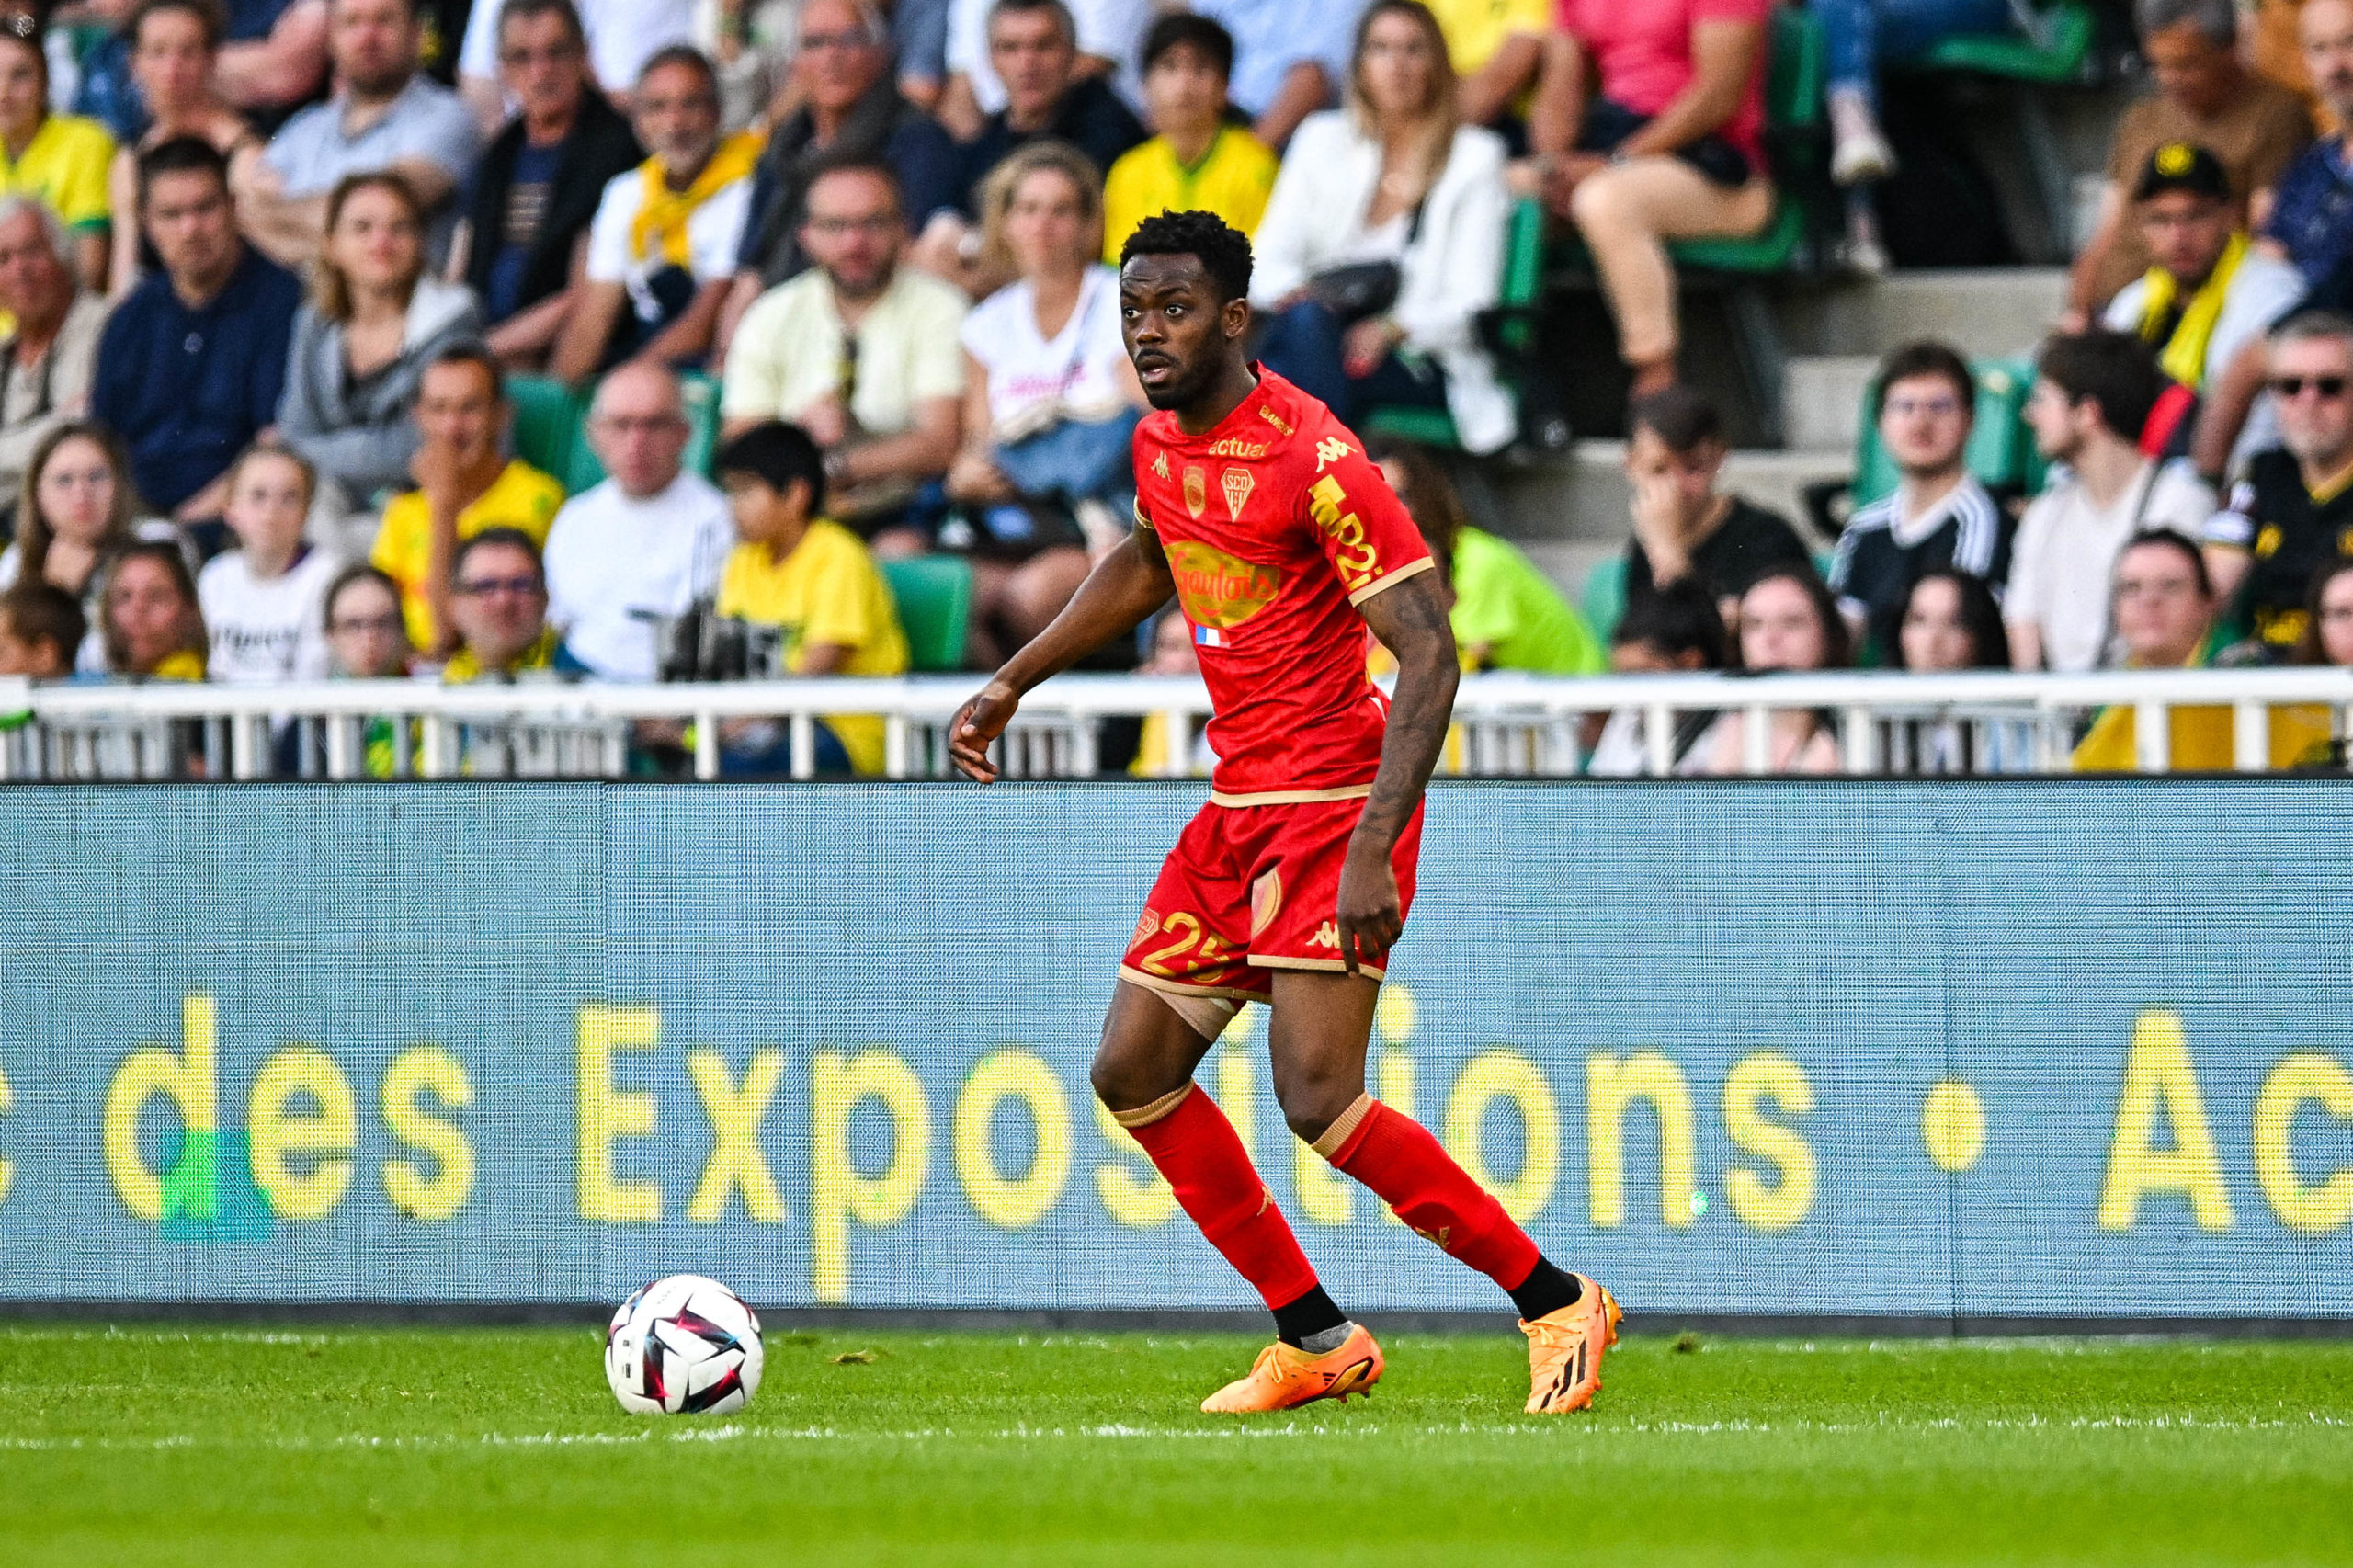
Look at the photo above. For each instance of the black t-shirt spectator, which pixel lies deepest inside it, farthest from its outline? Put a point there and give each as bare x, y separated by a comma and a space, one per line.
883, 126
2290, 532
1091, 118
1873, 570
528, 206
1749, 543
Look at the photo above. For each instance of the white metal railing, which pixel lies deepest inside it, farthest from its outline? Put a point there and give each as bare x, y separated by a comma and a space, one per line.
1510, 725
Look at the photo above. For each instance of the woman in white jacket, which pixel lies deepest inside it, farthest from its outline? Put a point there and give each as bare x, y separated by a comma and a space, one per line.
1391, 178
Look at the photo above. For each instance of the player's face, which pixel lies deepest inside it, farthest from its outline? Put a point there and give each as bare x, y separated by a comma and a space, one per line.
1179, 335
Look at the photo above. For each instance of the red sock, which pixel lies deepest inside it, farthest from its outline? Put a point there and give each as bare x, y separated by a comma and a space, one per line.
1396, 1157
1195, 1147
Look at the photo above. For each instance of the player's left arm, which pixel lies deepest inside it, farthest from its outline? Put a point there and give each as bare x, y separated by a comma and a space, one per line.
1409, 615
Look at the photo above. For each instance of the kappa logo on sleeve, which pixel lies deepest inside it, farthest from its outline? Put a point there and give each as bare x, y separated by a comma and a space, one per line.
1329, 450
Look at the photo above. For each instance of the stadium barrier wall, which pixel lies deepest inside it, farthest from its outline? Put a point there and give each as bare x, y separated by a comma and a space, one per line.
2038, 1049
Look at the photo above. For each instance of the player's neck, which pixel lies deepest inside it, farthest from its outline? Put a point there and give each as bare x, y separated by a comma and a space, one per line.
1210, 410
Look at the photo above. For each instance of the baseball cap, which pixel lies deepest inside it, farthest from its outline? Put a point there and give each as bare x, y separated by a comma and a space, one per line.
2183, 165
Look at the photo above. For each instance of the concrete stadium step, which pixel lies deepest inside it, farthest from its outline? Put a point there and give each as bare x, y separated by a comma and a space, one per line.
1585, 501
1984, 312
1822, 399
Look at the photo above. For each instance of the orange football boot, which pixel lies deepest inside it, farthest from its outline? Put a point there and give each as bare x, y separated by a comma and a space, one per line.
1564, 1351
1285, 1376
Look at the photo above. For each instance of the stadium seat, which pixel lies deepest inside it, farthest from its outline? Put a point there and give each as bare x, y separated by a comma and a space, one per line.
1604, 599
1513, 332
1738, 270
2061, 54
547, 419
935, 596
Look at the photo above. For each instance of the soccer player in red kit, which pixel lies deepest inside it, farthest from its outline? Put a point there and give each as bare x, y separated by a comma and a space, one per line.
1260, 513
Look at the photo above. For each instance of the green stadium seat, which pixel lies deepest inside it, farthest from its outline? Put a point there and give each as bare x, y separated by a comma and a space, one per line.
1523, 281
547, 421
2061, 55
1604, 599
1793, 115
934, 597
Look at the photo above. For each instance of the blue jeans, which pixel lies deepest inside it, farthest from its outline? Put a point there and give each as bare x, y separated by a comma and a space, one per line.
1073, 461
1859, 37
1302, 345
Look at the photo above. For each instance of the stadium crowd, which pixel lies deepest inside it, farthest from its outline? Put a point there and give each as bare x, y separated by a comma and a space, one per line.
532, 338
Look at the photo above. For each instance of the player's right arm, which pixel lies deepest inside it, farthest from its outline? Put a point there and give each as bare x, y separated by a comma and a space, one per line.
1127, 586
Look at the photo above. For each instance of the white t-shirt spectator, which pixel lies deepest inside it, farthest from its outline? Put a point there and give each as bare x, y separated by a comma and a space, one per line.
2067, 554
612, 562
714, 232
1036, 383
265, 631
622, 36
1109, 30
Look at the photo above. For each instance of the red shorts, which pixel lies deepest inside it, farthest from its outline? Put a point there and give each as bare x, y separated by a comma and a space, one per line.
1249, 890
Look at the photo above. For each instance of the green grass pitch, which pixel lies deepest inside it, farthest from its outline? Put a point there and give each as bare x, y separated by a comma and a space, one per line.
226, 1446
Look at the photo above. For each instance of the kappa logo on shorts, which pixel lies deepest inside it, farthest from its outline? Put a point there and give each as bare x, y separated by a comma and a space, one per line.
1326, 935
1160, 464
1266, 898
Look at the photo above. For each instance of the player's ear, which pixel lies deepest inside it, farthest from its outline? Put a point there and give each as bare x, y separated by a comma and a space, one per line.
1235, 318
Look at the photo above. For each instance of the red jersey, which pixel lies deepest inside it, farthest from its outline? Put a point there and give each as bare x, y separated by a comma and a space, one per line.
1277, 526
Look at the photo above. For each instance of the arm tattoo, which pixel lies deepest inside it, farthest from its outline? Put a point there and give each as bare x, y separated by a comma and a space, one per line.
1411, 621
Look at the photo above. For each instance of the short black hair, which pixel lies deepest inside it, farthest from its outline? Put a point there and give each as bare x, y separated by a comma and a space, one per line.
684, 54
522, 10
865, 163
2114, 367
211, 16
507, 538
1060, 12
1223, 250
775, 454
1917, 361
1683, 416
2180, 544
473, 351
1678, 619
181, 155
42, 612
1183, 30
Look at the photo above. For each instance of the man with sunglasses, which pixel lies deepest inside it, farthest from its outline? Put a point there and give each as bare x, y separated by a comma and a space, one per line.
2293, 510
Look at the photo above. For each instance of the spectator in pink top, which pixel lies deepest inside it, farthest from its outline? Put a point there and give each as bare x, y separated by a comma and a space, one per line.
1647, 127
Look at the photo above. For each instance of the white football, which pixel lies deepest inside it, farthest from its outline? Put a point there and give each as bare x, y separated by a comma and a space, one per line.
685, 1345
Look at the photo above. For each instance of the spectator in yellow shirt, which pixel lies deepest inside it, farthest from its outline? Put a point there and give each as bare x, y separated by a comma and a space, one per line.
464, 485
2163, 603
499, 602
61, 158
1498, 48
805, 574
1200, 160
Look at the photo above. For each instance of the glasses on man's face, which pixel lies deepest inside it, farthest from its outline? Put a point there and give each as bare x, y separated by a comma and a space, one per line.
555, 54
365, 626
834, 228
1926, 407
833, 40
484, 587
2293, 387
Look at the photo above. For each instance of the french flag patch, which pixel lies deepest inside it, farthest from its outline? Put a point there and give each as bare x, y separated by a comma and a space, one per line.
1211, 637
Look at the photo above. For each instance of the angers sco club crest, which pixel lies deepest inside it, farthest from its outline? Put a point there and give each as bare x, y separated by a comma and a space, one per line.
1237, 484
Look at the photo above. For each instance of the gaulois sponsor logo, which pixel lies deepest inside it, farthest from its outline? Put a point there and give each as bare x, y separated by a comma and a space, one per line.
1218, 590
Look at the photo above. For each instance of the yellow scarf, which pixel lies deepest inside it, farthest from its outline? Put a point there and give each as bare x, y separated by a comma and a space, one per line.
662, 217
2183, 356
